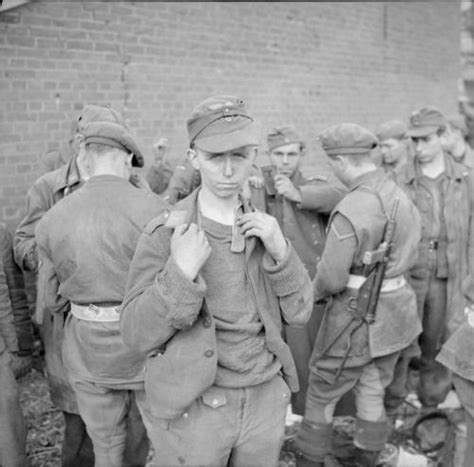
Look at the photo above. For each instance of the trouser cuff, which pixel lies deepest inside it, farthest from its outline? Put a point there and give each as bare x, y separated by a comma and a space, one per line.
371, 436
313, 440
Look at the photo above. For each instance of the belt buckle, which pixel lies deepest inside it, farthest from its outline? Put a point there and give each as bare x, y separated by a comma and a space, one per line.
94, 309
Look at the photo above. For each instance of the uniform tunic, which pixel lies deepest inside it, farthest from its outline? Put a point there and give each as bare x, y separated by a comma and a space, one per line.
87, 243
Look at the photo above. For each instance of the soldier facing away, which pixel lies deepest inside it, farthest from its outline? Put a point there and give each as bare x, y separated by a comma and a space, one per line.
86, 243
350, 353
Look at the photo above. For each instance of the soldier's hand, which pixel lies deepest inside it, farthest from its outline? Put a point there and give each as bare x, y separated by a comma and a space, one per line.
30, 261
285, 187
189, 249
265, 227
256, 181
139, 182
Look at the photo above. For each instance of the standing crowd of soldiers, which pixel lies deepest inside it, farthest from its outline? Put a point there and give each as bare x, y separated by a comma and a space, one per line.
191, 308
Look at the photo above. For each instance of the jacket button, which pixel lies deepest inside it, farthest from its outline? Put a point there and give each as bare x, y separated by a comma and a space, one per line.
209, 353
206, 323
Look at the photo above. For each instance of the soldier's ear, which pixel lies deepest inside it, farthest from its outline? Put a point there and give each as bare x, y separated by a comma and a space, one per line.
192, 156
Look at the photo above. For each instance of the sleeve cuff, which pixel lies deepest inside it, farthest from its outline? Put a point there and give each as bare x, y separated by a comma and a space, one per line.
285, 276
185, 296
305, 197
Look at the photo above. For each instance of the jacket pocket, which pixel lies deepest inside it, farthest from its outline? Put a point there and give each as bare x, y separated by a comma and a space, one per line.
177, 376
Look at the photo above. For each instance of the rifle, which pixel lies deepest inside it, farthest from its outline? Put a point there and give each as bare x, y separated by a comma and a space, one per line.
376, 261
364, 307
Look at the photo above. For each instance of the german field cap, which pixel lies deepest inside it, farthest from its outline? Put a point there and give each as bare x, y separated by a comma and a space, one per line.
114, 135
347, 139
425, 121
95, 113
281, 136
221, 123
458, 121
393, 129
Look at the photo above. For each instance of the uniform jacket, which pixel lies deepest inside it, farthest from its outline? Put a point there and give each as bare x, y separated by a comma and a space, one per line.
163, 307
356, 226
458, 350
158, 177
183, 182
8, 338
86, 243
16, 291
304, 224
459, 218
46, 192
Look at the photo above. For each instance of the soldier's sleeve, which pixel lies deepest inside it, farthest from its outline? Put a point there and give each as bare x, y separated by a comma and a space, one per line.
468, 281
47, 286
7, 327
17, 293
291, 283
159, 300
332, 273
322, 192
24, 245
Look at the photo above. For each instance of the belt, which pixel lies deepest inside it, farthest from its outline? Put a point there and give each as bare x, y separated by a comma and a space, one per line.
96, 313
388, 285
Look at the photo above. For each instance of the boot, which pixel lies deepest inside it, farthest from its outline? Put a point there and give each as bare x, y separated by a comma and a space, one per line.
312, 443
370, 438
302, 461
366, 458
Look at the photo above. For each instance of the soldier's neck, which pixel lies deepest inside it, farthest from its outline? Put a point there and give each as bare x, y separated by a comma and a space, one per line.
433, 168
216, 208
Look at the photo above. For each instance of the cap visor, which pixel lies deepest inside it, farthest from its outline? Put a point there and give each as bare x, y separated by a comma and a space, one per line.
226, 142
417, 132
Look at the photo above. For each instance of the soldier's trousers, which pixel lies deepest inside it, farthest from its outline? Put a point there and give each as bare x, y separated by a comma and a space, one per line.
368, 380
431, 298
111, 417
465, 392
239, 427
13, 429
301, 343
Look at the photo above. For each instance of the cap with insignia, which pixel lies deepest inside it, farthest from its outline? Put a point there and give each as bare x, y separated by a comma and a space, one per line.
95, 113
393, 129
221, 123
458, 121
281, 136
425, 121
346, 139
115, 135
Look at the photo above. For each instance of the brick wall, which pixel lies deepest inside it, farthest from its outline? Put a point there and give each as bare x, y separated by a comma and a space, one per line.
310, 64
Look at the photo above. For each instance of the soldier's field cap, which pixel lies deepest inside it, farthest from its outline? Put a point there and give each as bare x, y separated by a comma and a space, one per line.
425, 121
393, 129
458, 121
221, 123
95, 113
115, 135
347, 139
281, 136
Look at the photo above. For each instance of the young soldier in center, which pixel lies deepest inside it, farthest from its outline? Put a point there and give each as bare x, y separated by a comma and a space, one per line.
349, 353
301, 204
206, 302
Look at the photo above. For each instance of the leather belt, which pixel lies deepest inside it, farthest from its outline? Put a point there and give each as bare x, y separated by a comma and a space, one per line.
388, 285
96, 313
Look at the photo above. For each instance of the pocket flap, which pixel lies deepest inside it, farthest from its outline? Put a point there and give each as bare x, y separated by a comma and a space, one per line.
214, 397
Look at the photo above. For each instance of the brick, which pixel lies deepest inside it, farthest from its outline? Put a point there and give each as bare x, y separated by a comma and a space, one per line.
21, 41
80, 45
